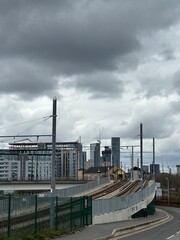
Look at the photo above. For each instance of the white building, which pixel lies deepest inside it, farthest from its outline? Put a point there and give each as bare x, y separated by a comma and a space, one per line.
9, 169
32, 161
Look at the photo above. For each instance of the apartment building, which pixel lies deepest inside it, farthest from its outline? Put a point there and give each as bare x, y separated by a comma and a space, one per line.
32, 161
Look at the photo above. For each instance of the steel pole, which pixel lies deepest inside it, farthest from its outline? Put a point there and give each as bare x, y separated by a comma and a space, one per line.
132, 163
154, 174
168, 189
53, 187
141, 157
141, 150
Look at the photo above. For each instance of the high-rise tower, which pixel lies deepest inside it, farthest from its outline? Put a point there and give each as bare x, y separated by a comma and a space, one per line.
95, 154
115, 146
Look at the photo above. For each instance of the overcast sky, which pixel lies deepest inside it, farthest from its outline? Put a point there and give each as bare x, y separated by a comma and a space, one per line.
112, 64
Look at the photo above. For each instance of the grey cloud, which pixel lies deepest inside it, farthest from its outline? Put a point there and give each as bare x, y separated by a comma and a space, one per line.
168, 54
90, 38
26, 80
74, 38
100, 85
157, 122
175, 106
155, 86
176, 82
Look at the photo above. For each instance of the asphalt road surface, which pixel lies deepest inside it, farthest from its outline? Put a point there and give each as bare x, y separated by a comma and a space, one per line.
166, 231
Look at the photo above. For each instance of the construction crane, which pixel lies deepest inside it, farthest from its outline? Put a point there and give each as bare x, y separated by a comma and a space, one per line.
100, 135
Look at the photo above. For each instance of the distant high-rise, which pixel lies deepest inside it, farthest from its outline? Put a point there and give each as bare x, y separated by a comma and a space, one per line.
178, 169
95, 154
115, 145
84, 158
156, 167
146, 169
106, 154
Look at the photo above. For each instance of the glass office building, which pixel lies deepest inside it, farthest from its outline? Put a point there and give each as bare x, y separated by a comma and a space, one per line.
115, 146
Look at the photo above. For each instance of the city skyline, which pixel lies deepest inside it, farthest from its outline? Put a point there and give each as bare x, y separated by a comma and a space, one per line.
124, 157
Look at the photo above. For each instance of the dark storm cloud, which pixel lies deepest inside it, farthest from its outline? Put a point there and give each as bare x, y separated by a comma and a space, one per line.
74, 37
26, 80
89, 41
100, 85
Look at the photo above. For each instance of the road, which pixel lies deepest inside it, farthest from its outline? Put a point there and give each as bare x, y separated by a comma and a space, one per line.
167, 231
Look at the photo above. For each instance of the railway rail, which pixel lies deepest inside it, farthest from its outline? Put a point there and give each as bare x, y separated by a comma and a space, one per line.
130, 188
108, 189
119, 188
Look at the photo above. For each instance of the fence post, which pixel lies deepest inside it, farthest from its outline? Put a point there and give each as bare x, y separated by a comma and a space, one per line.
82, 211
91, 218
71, 212
9, 215
52, 211
86, 209
56, 212
35, 215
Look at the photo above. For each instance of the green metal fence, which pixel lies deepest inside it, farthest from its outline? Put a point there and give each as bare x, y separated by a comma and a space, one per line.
32, 214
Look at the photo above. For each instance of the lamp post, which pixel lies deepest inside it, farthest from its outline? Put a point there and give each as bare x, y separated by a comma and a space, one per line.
168, 189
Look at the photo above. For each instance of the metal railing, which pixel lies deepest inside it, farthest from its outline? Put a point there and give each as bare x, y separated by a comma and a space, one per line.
103, 206
27, 201
82, 188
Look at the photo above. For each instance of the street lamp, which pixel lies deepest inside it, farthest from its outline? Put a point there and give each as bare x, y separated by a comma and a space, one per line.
168, 188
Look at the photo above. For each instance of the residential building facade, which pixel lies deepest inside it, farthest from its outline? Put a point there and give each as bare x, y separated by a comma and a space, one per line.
32, 161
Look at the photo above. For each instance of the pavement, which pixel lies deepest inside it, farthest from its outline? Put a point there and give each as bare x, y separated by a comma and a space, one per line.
108, 230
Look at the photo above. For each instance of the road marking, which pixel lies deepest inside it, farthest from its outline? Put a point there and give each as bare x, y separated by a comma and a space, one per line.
118, 234
170, 237
178, 232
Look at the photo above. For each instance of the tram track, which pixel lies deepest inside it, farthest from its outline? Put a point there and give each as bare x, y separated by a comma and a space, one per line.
108, 189
119, 188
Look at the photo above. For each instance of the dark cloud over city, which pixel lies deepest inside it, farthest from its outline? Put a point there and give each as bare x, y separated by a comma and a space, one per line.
111, 64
